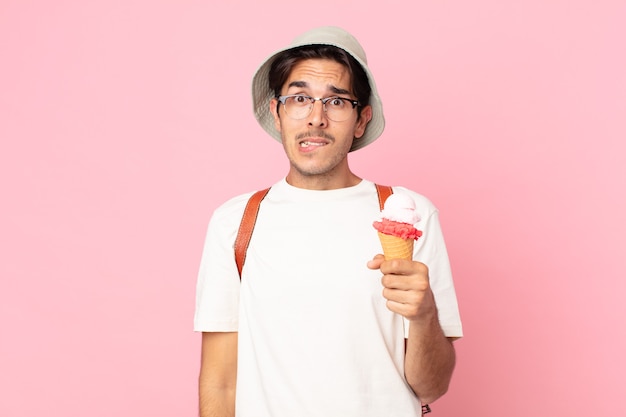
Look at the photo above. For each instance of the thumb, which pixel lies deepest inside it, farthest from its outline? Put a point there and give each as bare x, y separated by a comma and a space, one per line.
375, 263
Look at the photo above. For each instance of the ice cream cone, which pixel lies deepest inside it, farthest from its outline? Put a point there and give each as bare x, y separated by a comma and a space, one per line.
395, 247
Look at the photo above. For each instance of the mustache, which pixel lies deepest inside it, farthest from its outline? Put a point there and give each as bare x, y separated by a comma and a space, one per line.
315, 134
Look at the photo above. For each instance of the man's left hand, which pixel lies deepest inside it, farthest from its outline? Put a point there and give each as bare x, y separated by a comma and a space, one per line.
406, 286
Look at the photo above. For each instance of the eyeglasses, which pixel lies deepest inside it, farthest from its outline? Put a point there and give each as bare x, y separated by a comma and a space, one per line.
337, 109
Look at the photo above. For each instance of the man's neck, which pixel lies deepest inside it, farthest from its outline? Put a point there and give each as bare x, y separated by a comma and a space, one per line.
322, 182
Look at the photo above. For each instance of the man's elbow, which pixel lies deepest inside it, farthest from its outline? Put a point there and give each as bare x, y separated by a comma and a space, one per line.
433, 394
430, 388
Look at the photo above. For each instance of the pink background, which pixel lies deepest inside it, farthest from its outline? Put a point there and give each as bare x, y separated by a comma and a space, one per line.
124, 123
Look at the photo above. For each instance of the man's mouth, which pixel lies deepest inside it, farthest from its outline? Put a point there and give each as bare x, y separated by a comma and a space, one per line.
306, 144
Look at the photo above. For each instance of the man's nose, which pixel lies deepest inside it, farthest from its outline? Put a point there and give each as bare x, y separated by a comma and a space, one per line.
318, 115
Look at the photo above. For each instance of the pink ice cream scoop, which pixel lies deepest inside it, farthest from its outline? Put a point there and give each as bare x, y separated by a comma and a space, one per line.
395, 228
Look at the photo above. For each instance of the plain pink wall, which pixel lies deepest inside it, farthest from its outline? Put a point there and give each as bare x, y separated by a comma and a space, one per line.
123, 124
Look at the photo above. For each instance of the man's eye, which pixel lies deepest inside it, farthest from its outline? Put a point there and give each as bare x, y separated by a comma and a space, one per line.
336, 102
300, 99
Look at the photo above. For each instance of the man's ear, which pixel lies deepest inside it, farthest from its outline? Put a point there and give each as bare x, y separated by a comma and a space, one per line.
274, 110
363, 120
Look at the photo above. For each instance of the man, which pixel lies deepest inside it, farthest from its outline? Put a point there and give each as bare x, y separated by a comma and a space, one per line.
313, 328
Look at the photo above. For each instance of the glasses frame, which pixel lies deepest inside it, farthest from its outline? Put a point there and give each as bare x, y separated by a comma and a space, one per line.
312, 100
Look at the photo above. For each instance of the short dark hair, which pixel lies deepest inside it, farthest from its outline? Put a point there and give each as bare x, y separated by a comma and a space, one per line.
285, 61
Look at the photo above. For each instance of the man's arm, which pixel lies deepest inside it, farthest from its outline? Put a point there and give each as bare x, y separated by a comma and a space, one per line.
429, 361
218, 374
430, 356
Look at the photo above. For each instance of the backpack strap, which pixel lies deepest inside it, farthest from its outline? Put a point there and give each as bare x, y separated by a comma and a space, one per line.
383, 191
251, 212
246, 227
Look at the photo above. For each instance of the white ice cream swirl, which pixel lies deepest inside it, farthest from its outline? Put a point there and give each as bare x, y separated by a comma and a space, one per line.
400, 207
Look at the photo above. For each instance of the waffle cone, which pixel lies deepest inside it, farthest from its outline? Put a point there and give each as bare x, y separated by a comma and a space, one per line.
395, 247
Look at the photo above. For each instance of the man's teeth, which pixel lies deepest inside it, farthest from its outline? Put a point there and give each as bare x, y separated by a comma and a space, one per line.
306, 143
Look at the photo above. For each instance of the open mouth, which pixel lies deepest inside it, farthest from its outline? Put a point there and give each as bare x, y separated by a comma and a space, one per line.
306, 144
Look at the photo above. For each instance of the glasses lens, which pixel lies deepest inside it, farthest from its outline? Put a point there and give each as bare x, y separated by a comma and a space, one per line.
298, 107
338, 109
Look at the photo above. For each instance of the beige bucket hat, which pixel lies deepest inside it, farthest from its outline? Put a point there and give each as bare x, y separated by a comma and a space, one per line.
326, 35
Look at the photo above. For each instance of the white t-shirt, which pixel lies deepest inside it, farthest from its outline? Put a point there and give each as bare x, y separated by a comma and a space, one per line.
315, 336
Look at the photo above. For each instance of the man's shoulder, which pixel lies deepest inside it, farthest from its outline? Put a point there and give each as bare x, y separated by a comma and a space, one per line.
420, 199
234, 206
416, 195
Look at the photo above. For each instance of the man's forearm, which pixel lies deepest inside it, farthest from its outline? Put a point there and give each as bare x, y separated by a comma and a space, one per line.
218, 374
216, 402
429, 360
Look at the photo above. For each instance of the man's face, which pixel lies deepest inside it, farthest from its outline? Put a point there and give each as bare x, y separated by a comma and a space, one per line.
315, 145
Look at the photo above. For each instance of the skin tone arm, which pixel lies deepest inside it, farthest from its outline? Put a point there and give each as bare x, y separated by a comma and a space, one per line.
218, 374
430, 356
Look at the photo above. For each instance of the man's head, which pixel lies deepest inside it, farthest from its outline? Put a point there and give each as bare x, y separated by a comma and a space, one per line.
284, 62
324, 43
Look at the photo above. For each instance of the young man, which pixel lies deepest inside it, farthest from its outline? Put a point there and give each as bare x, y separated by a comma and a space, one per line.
313, 328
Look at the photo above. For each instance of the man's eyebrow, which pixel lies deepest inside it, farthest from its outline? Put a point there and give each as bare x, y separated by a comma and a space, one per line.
338, 90
304, 84
300, 84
